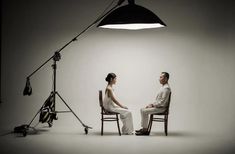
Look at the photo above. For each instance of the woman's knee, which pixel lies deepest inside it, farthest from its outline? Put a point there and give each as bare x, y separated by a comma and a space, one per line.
142, 109
128, 113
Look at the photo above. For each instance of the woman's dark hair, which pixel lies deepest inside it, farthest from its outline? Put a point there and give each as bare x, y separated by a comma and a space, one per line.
110, 77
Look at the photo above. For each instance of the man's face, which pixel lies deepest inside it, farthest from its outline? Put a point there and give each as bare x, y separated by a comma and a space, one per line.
162, 79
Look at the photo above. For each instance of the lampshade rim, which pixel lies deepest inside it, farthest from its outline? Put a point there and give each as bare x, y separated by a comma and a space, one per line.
131, 14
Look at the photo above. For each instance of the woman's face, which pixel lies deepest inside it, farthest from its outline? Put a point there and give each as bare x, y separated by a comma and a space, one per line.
114, 80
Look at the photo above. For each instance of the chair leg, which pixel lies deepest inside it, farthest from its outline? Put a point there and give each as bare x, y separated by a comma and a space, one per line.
166, 124
118, 125
150, 123
102, 126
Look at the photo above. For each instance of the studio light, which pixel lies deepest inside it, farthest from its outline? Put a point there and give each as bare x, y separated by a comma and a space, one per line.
131, 17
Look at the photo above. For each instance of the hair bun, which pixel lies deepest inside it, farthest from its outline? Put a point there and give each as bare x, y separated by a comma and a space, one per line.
106, 79
109, 77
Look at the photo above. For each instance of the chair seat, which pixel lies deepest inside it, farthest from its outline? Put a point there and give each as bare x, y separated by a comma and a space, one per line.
105, 112
163, 113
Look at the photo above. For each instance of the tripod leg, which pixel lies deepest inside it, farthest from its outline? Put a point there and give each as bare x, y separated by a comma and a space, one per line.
35, 116
86, 127
39, 110
24, 128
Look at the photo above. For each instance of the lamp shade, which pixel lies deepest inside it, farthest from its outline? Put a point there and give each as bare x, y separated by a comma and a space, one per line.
133, 17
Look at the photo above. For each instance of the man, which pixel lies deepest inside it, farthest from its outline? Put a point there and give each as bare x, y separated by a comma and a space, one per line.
158, 106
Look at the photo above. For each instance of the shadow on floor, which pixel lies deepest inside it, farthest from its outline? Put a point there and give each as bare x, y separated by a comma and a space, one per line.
175, 134
153, 134
30, 131
105, 134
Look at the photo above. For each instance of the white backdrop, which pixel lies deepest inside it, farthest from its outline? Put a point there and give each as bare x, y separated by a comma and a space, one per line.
196, 48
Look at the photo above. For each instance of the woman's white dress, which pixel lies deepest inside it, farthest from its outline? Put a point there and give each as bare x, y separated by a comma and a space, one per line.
125, 114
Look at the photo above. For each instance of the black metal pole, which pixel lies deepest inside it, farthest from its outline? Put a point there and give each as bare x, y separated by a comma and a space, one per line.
75, 38
54, 80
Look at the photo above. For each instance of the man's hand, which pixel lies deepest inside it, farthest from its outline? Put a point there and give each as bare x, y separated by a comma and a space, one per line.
149, 106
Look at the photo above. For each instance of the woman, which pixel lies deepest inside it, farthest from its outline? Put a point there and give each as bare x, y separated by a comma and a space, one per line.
111, 104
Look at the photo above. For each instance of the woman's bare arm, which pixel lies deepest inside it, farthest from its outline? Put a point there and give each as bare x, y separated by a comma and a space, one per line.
110, 94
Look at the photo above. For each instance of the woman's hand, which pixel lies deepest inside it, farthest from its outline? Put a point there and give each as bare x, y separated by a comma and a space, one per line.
124, 107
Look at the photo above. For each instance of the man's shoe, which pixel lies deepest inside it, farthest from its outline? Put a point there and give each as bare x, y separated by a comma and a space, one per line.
138, 131
145, 133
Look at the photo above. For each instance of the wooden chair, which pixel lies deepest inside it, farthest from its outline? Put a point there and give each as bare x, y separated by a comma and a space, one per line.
160, 117
107, 115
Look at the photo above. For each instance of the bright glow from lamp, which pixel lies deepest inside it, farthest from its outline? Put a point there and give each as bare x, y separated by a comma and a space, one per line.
132, 26
132, 17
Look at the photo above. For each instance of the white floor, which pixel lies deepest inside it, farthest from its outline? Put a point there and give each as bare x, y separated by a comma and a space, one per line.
201, 136
71, 140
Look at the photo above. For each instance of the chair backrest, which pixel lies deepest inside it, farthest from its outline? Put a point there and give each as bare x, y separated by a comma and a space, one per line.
101, 99
168, 103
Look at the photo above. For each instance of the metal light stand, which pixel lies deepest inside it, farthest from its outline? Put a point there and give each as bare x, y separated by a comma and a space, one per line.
56, 57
